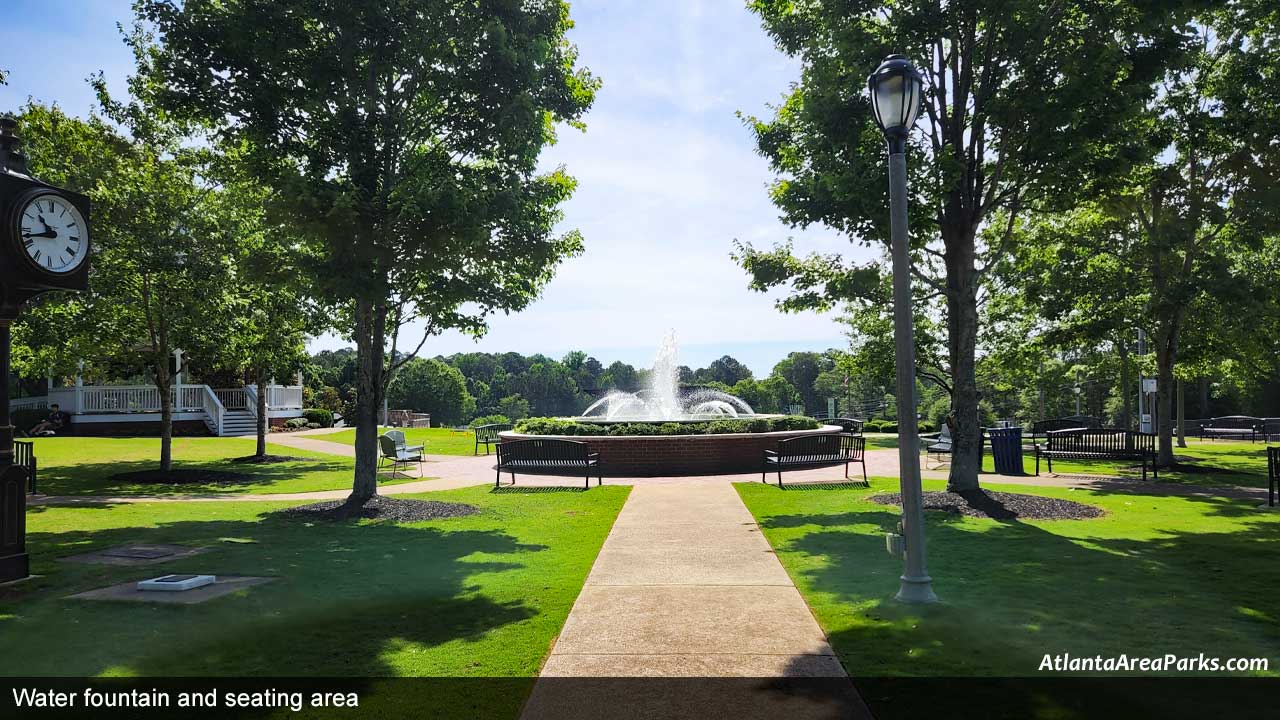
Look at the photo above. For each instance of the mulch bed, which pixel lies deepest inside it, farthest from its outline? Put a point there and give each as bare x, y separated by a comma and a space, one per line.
184, 476
1000, 505
380, 507
267, 459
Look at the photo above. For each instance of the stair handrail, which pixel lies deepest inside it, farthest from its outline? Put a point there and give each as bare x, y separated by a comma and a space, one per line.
214, 409
251, 399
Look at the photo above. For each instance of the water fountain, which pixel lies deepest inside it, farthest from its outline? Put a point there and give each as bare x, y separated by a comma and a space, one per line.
663, 401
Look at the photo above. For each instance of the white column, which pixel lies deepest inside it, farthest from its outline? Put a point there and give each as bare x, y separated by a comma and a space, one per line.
79, 387
177, 380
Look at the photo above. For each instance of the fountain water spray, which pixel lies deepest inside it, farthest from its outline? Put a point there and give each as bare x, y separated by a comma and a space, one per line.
662, 400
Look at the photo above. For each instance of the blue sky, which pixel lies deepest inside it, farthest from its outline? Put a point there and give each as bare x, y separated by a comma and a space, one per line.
667, 177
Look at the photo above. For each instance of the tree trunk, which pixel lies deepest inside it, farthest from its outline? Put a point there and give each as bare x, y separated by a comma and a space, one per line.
370, 337
1166, 356
1126, 408
962, 321
1204, 399
1182, 416
263, 421
164, 384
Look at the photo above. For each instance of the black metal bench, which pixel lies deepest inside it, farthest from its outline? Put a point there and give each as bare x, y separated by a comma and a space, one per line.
852, 426
548, 457
1040, 427
811, 450
1099, 444
1269, 428
24, 455
1273, 475
488, 435
1231, 426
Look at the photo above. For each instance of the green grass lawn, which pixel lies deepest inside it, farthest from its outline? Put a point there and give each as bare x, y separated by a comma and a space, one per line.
1218, 463
438, 441
478, 596
85, 466
1156, 574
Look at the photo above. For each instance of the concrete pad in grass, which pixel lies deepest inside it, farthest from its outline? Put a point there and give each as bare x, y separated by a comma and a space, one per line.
139, 554
129, 592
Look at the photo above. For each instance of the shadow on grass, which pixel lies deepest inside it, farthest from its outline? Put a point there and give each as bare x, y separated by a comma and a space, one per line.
350, 600
820, 486
1013, 592
97, 478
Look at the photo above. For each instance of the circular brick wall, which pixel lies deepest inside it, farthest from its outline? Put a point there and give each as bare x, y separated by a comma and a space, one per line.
659, 455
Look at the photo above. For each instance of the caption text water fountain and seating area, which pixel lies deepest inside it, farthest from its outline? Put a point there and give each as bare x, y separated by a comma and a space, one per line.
675, 455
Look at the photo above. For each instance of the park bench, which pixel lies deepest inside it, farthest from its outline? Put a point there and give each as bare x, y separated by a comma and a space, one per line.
812, 450
546, 456
1098, 444
851, 426
1040, 427
488, 435
1273, 475
1269, 428
24, 455
394, 449
1231, 426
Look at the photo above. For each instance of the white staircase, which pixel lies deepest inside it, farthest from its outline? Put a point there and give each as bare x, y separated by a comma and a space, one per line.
239, 422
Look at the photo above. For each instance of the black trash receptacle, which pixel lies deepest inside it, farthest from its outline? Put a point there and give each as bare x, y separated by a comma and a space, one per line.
1006, 447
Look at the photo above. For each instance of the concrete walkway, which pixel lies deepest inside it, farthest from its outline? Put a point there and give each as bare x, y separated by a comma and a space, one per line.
686, 586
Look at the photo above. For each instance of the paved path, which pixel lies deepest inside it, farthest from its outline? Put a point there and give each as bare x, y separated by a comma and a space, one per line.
686, 586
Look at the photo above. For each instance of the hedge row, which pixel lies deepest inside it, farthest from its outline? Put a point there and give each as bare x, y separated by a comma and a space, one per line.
561, 426
891, 426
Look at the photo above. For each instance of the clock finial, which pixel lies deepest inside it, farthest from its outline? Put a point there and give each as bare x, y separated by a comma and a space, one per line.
11, 158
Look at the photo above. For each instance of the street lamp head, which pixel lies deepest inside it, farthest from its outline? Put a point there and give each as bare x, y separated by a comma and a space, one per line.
896, 87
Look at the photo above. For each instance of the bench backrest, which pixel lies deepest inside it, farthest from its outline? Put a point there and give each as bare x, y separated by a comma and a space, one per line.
849, 425
821, 447
24, 454
1065, 423
490, 432
542, 449
1234, 422
1100, 440
388, 445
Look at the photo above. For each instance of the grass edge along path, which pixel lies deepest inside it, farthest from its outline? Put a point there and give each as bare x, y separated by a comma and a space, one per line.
1157, 573
477, 596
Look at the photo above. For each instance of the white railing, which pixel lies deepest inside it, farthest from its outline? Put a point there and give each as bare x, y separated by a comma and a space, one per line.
119, 399
213, 409
251, 399
231, 398
192, 398
284, 397
38, 403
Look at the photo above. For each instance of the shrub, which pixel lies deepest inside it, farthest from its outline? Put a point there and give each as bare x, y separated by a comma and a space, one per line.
928, 427
313, 426
873, 426
296, 423
791, 422
320, 416
889, 426
491, 420
24, 419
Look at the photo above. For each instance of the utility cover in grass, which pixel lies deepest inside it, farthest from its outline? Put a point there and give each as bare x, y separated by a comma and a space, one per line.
1000, 505
267, 459
382, 508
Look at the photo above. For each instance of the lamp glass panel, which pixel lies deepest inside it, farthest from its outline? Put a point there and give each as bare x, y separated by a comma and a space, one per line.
913, 101
889, 97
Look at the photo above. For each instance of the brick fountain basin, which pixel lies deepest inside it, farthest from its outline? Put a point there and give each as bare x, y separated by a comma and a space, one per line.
677, 455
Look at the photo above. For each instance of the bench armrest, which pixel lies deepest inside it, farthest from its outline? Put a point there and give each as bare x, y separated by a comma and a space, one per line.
771, 453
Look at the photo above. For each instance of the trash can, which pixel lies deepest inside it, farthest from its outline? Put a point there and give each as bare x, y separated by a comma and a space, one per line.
1006, 447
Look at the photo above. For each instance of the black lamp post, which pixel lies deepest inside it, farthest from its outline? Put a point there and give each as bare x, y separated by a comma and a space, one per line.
896, 88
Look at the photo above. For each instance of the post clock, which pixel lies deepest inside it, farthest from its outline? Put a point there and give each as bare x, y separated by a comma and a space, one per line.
45, 242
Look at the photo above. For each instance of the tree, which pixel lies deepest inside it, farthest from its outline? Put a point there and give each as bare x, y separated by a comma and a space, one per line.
160, 280
1024, 106
620, 376
725, 370
402, 138
432, 386
514, 407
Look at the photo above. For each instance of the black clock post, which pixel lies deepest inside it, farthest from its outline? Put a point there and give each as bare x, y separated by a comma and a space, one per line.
27, 269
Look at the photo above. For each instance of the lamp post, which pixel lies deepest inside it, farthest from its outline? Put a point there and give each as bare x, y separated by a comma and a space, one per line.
895, 98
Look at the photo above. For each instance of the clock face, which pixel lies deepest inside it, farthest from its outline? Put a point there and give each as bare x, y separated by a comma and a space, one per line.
53, 233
